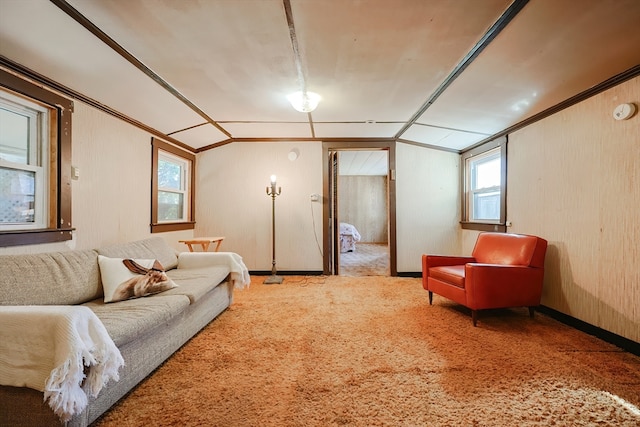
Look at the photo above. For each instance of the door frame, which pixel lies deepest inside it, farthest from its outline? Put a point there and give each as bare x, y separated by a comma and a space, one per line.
328, 248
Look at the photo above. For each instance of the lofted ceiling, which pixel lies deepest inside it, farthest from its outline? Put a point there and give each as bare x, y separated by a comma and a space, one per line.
441, 73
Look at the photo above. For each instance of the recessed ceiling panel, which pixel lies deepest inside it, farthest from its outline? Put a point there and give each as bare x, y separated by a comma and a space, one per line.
269, 130
381, 60
551, 51
358, 162
233, 59
38, 35
356, 130
442, 137
200, 136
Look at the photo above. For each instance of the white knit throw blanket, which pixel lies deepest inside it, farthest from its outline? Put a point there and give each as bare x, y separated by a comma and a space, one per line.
47, 348
238, 271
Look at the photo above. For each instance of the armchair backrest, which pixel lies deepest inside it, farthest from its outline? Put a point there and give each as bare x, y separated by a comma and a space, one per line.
510, 249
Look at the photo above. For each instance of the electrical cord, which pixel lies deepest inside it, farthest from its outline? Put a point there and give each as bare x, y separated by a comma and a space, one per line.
313, 220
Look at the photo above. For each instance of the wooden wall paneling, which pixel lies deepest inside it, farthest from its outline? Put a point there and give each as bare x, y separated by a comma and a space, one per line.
363, 203
573, 179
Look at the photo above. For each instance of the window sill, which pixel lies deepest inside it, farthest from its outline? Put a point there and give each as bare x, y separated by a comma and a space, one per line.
172, 226
483, 226
34, 237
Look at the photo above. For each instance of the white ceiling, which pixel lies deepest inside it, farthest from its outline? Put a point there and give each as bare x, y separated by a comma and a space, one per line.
363, 162
211, 71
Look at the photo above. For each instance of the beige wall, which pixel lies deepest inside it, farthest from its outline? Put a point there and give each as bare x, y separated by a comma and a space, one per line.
232, 202
428, 204
363, 202
574, 179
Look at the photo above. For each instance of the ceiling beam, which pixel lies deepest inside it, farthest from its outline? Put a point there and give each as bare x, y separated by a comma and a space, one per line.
488, 37
93, 29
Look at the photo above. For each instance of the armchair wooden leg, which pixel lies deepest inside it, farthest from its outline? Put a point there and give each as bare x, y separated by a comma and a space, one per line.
474, 317
430, 298
531, 311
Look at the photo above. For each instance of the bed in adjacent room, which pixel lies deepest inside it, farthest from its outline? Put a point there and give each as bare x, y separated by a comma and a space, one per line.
349, 236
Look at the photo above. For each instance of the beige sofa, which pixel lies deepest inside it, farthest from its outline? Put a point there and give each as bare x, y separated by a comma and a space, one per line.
145, 330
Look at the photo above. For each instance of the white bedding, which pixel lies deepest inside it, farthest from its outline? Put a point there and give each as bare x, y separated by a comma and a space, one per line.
348, 237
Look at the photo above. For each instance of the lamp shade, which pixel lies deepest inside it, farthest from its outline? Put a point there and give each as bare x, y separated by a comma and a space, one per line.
305, 102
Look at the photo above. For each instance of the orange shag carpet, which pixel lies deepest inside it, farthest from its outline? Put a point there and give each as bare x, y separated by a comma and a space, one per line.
370, 351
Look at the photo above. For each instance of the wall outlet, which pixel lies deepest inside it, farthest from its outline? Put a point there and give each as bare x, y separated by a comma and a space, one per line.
315, 197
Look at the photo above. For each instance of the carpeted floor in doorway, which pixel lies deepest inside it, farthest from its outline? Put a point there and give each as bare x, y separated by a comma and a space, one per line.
370, 351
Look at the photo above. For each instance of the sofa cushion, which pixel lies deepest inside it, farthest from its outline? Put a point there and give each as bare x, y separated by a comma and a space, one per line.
127, 320
154, 248
453, 274
196, 282
56, 278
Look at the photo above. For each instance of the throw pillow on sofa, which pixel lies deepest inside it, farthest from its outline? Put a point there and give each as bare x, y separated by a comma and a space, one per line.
124, 278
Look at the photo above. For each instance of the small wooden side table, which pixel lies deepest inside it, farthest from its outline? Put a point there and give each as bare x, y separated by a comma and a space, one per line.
204, 242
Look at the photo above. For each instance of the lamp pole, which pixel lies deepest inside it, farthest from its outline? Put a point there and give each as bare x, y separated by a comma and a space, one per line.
271, 191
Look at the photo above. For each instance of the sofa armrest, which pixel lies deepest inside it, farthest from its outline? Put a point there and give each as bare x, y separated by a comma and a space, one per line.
495, 285
238, 271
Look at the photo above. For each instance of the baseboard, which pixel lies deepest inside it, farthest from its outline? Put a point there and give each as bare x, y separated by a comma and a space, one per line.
286, 273
409, 274
617, 340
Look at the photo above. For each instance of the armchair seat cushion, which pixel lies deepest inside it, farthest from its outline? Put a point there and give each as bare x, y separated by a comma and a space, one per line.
452, 274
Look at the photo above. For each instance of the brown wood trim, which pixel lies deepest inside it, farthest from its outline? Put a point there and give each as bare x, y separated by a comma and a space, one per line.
64, 169
481, 226
157, 144
35, 237
338, 145
60, 214
489, 145
172, 226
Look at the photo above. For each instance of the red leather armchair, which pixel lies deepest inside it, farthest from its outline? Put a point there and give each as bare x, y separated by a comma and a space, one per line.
505, 270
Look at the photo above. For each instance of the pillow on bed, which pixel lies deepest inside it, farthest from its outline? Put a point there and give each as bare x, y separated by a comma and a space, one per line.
124, 278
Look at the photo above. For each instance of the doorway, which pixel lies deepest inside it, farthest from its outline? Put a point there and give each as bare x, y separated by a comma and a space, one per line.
363, 210
359, 216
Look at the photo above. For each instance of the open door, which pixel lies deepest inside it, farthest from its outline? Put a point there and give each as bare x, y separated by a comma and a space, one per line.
333, 212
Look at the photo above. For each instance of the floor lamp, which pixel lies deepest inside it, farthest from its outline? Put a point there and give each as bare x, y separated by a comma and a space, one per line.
271, 191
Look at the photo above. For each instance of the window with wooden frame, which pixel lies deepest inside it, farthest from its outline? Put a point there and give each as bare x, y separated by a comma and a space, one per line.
484, 187
172, 188
35, 163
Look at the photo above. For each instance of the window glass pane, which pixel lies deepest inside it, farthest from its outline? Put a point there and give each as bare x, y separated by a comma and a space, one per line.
17, 196
170, 206
169, 174
14, 137
486, 206
488, 173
